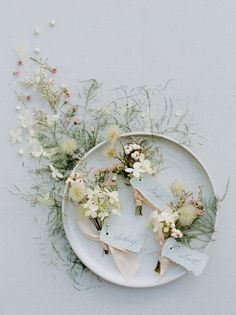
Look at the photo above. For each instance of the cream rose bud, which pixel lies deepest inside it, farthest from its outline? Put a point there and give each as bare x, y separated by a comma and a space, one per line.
78, 190
135, 155
187, 214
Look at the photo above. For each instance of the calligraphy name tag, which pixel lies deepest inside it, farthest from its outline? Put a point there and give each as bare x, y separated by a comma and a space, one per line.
152, 190
122, 237
190, 259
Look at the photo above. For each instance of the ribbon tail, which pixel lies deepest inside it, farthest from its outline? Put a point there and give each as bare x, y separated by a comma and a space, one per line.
126, 262
87, 230
141, 199
164, 264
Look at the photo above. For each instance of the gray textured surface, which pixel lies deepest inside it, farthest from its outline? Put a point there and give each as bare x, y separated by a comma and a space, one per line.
130, 43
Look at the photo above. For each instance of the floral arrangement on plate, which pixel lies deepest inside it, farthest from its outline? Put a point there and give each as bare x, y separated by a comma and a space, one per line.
182, 218
62, 128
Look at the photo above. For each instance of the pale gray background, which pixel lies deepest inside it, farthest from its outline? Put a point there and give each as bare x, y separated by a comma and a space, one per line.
133, 43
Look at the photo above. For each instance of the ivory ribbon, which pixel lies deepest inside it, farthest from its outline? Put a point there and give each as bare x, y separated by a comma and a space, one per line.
141, 199
125, 261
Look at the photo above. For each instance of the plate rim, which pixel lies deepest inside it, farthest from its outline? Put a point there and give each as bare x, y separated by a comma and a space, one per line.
124, 284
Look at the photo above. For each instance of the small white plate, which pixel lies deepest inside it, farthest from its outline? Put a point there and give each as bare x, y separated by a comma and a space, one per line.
182, 165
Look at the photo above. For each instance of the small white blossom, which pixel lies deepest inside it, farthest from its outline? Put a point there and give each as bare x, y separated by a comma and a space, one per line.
16, 137
113, 133
136, 146
36, 149
45, 200
136, 171
26, 120
55, 173
145, 164
127, 149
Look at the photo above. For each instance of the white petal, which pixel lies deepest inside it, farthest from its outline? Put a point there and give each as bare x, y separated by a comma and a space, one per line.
129, 170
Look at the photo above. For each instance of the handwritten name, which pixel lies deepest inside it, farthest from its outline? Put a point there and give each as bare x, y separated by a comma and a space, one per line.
189, 258
126, 238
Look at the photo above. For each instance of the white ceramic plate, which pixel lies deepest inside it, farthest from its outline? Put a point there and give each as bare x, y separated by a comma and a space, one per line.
182, 165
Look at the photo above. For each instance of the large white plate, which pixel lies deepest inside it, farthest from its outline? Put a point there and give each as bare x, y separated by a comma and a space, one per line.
182, 165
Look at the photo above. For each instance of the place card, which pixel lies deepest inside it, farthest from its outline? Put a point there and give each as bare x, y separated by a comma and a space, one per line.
190, 259
122, 237
152, 190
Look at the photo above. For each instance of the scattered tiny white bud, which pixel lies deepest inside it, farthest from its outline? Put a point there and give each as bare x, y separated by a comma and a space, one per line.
52, 23
174, 235
172, 225
174, 231
63, 86
36, 50
180, 235
21, 152
166, 229
36, 31
18, 108
178, 113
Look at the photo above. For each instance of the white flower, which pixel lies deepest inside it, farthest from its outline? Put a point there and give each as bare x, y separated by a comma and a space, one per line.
127, 149
36, 149
145, 164
16, 137
113, 195
91, 205
92, 208
136, 170
113, 133
136, 146
187, 214
55, 173
135, 155
69, 145
94, 192
111, 152
78, 190
168, 217
158, 219
26, 120
155, 221
90, 213
45, 200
